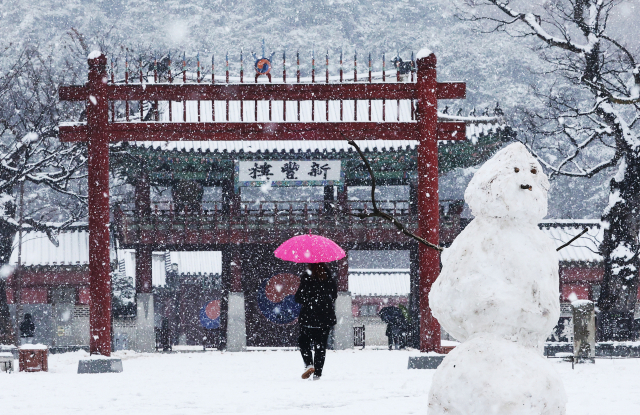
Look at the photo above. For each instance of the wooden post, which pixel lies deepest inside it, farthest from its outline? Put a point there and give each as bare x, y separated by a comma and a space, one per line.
143, 195
343, 274
98, 148
329, 200
236, 271
144, 257
343, 201
428, 207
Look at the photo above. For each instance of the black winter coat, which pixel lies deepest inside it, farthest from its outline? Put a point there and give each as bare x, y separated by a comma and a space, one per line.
317, 299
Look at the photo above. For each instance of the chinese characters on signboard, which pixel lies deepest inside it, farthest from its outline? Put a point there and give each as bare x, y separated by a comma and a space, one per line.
289, 172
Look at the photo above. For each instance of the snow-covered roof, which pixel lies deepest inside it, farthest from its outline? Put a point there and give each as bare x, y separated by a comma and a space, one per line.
189, 262
194, 262
277, 146
379, 282
302, 146
585, 248
38, 250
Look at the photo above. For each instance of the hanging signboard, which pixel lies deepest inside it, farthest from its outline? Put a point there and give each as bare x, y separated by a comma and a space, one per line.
288, 173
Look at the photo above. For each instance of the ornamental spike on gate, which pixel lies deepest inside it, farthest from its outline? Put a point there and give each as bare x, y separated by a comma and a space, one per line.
198, 67
313, 66
284, 68
184, 67
355, 66
327, 72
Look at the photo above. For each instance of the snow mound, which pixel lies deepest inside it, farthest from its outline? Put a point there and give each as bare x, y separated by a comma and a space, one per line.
488, 375
36, 346
423, 53
30, 138
94, 54
581, 303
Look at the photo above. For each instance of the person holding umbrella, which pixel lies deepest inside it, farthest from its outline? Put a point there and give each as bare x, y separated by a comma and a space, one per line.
396, 326
316, 295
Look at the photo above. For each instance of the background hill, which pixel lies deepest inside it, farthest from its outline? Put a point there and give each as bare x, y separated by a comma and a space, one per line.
496, 68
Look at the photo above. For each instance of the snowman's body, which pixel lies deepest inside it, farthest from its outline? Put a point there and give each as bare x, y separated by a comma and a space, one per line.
498, 294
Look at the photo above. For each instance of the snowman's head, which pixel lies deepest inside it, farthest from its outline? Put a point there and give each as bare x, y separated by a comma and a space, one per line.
509, 185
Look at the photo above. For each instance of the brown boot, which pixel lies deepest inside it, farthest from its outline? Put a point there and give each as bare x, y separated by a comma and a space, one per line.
308, 372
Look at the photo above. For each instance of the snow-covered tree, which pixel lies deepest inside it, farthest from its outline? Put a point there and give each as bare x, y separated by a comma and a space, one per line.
123, 294
39, 176
590, 120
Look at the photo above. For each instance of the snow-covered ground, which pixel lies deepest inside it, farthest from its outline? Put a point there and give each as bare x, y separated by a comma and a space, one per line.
260, 382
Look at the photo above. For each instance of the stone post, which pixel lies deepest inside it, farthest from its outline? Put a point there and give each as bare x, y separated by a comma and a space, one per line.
343, 331
236, 324
145, 326
584, 331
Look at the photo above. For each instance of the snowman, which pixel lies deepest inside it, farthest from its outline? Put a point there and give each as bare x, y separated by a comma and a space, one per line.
497, 293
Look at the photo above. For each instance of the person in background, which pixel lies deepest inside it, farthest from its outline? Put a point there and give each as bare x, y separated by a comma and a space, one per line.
317, 294
27, 329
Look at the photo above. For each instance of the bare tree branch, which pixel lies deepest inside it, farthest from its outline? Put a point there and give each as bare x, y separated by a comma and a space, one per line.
585, 230
377, 213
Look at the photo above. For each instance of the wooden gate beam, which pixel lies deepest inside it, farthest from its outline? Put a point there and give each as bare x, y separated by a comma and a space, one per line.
263, 92
231, 131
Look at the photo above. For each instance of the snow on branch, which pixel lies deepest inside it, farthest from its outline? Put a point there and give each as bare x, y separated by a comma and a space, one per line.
534, 23
582, 173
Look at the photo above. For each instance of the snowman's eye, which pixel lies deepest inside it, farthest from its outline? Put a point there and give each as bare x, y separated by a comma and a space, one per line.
534, 171
516, 169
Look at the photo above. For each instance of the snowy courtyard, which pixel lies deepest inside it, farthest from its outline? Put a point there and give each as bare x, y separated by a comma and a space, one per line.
260, 382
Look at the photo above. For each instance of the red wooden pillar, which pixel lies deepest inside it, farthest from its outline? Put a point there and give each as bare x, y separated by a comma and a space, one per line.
235, 285
98, 183
143, 195
343, 199
144, 257
428, 204
343, 274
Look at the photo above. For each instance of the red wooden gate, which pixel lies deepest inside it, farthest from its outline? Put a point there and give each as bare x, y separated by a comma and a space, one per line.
99, 131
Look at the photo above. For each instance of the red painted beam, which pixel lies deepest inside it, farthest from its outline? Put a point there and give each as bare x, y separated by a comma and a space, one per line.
260, 131
73, 93
246, 131
33, 278
451, 131
73, 132
451, 90
237, 92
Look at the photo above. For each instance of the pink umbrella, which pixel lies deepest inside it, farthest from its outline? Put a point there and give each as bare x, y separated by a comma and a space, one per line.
309, 249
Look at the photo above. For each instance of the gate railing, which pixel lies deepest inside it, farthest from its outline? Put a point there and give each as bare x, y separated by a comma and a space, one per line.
272, 208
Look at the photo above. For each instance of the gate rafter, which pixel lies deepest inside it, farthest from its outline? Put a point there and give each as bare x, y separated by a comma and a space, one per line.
99, 131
